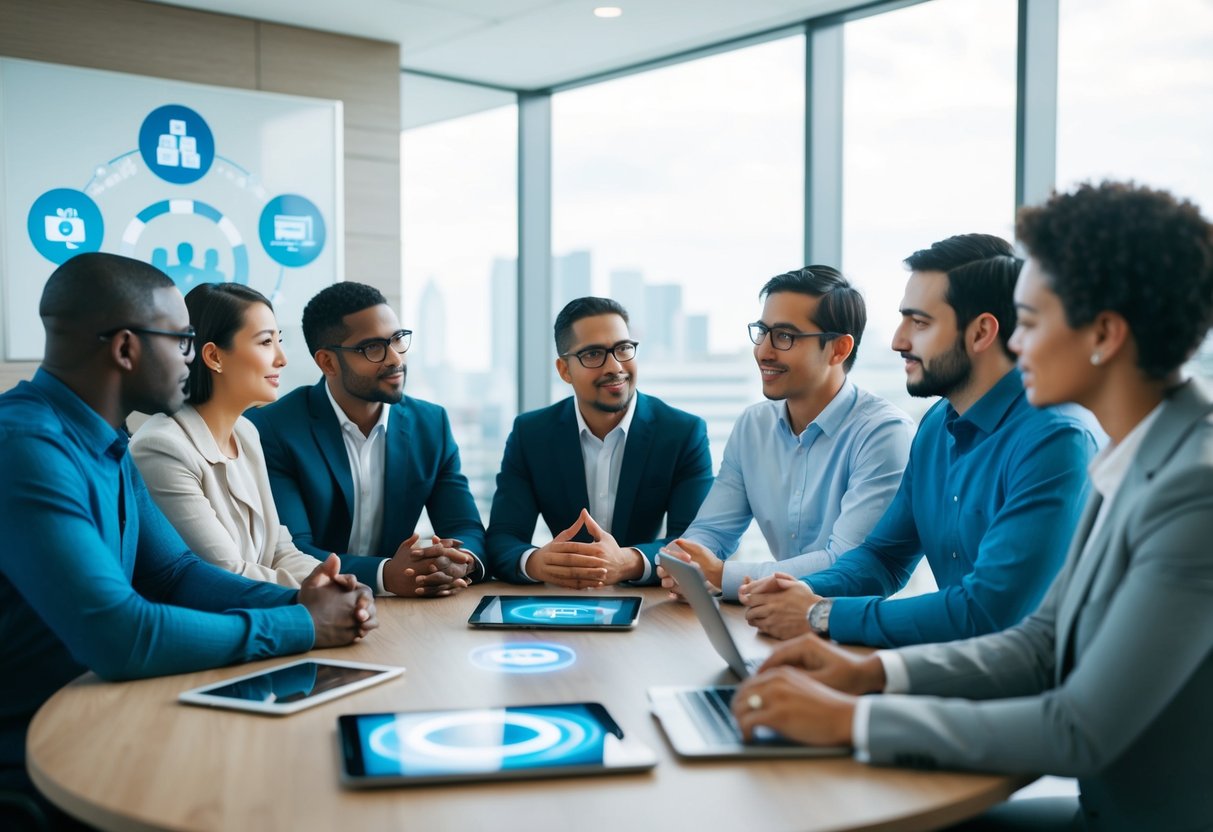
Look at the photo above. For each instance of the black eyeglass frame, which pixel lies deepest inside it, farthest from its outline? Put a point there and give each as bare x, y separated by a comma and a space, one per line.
580, 354
764, 330
382, 343
187, 338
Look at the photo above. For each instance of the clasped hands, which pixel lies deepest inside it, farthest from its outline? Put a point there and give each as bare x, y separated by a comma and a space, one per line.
342, 609
433, 571
584, 565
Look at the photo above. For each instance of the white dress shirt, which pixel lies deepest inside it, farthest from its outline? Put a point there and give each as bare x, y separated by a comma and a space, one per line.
1107, 471
602, 460
367, 462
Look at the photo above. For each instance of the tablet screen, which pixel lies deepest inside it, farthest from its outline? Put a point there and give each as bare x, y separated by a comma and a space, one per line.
293, 683
556, 611
475, 743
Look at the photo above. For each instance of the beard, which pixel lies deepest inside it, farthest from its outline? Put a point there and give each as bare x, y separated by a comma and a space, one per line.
946, 373
614, 407
367, 388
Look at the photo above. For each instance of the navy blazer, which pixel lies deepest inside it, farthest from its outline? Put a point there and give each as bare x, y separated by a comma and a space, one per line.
666, 470
314, 489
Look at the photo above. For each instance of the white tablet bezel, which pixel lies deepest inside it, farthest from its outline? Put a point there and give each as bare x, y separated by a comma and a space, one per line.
200, 695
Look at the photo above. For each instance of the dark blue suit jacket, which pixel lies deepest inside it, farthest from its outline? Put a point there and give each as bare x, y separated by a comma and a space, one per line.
666, 470
314, 490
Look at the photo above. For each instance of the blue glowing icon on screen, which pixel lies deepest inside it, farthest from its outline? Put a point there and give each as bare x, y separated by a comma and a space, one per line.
523, 657
176, 144
292, 230
487, 740
63, 223
556, 614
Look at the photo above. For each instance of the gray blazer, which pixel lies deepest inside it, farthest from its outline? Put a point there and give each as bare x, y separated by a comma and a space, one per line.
1111, 680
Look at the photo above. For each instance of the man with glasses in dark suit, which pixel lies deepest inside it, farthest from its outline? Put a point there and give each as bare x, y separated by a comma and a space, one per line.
603, 467
353, 461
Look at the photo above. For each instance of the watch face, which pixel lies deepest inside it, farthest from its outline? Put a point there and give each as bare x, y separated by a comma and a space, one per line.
819, 617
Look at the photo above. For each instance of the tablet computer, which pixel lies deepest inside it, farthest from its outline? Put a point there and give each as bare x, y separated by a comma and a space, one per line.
420, 747
291, 687
558, 612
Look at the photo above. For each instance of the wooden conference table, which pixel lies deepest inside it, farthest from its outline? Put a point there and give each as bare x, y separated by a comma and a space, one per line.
128, 756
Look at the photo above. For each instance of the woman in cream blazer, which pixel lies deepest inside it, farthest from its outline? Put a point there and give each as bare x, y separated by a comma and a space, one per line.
204, 465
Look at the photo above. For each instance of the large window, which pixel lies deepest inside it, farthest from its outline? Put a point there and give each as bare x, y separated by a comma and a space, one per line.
1135, 99
678, 192
928, 152
459, 229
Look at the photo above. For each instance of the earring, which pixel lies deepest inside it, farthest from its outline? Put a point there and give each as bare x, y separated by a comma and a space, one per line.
1095, 359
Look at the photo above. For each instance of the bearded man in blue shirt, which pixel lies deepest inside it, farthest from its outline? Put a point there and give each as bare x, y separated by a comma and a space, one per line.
992, 491
92, 575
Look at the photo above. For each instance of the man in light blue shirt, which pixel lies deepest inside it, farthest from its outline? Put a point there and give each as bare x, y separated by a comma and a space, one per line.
992, 491
818, 464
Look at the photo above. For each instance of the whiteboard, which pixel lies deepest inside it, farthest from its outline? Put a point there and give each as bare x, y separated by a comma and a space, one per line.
208, 183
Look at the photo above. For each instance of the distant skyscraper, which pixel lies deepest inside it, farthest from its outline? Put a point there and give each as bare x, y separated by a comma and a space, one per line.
430, 326
662, 319
697, 336
627, 287
570, 278
503, 293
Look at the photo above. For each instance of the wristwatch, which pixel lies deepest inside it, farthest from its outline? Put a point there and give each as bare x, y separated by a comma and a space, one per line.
819, 617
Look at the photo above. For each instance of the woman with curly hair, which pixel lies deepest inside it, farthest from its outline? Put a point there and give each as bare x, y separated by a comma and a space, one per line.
1111, 679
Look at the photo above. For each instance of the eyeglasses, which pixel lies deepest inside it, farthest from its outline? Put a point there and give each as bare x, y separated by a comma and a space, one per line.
594, 357
782, 339
374, 350
186, 344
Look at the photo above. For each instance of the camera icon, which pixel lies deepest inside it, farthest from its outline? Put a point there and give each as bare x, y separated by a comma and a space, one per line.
65, 227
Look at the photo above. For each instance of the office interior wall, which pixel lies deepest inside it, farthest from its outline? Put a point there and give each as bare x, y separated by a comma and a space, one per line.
168, 42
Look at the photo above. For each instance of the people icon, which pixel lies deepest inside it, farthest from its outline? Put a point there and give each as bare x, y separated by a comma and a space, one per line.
185, 273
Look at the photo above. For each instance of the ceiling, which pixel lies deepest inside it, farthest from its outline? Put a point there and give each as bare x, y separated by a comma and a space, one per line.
530, 44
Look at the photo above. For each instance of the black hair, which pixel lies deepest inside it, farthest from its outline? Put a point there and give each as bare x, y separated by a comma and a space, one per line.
981, 270
323, 316
217, 312
1125, 248
841, 308
99, 291
580, 308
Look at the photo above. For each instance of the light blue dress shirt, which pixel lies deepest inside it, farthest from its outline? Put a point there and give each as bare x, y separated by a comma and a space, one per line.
815, 495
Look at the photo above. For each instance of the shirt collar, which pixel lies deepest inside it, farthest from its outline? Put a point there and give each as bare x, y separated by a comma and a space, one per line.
96, 434
831, 418
988, 412
624, 426
344, 420
1109, 467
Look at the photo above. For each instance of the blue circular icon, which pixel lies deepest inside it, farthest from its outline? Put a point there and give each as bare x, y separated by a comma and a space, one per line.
63, 223
292, 230
523, 657
176, 144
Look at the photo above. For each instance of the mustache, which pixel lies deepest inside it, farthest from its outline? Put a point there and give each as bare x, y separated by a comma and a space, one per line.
909, 356
403, 372
772, 365
613, 379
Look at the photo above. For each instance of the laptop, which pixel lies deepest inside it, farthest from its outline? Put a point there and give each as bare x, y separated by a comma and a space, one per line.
697, 720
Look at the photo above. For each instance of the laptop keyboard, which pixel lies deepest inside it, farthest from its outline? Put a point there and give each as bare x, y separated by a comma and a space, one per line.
709, 708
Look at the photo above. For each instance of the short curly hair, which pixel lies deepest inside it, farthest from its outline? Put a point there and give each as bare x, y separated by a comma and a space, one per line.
1132, 250
322, 317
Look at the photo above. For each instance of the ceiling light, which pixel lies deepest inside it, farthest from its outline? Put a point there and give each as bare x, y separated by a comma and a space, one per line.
608, 11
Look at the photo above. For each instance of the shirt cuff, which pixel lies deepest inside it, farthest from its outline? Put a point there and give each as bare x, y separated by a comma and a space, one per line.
522, 564
379, 590
859, 729
731, 576
896, 674
647, 572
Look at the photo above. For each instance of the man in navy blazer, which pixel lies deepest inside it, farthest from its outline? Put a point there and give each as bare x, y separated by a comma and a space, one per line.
352, 461
604, 467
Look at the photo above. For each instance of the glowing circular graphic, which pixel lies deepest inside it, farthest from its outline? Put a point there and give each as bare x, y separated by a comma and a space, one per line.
186, 275
176, 144
63, 223
292, 230
483, 738
523, 657
550, 614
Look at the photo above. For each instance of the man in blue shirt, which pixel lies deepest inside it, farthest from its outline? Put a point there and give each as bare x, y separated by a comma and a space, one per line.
92, 576
992, 491
817, 465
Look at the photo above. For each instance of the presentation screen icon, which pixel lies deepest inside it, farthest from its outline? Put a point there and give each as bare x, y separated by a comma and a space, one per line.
293, 231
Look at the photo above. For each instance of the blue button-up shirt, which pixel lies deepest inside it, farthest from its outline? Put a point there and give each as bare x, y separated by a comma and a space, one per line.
814, 495
991, 498
92, 576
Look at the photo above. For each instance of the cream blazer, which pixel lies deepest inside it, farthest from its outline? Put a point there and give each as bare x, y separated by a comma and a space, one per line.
223, 508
